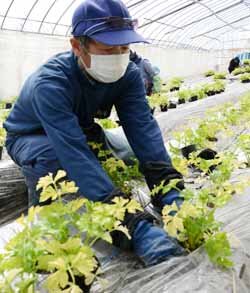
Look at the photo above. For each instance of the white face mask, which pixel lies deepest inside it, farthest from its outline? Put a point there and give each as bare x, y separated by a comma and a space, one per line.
107, 68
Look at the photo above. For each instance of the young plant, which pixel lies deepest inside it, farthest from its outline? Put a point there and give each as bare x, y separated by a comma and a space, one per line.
220, 75
154, 100
163, 100
2, 136
243, 143
246, 62
198, 92
247, 69
174, 83
122, 174
57, 239
209, 73
245, 78
184, 94
194, 225
238, 71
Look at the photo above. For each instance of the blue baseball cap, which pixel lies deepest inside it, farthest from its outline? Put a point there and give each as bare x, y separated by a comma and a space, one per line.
105, 21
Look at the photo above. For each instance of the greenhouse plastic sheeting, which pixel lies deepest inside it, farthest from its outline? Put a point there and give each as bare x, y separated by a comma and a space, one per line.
192, 273
124, 273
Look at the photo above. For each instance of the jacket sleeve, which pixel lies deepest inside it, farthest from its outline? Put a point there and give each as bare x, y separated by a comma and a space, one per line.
143, 133
53, 108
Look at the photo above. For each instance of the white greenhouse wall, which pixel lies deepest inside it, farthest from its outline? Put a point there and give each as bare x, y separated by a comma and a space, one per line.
179, 62
22, 53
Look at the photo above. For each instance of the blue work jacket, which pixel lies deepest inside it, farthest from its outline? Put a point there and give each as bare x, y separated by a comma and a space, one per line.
60, 99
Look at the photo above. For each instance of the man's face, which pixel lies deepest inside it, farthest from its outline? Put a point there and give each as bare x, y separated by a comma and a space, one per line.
96, 48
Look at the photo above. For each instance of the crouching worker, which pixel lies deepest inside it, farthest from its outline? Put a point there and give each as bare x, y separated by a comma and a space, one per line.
53, 119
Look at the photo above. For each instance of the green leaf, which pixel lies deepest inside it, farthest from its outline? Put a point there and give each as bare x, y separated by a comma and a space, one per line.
44, 260
133, 206
169, 209
123, 229
107, 237
84, 262
175, 226
72, 245
60, 174
57, 281
45, 181
48, 193
68, 187
12, 274
218, 250
75, 205
59, 264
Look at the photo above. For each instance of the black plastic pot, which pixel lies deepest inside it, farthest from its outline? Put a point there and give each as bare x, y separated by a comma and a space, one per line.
174, 89
8, 105
152, 110
164, 108
210, 93
192, 99
213, 139
181, 101
207, 154
1, 152
80, 282
187, 150
172, 105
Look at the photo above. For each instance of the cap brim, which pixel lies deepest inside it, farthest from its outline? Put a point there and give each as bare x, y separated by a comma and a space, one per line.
116, 38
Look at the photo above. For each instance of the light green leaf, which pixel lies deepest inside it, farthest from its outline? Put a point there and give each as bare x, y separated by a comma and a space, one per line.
47, 193
56, 281
169, 208
133, 206
75, 205
59, 264
12, 274
106, 237
123, 229
71, 244
45, 181
68, 187
60, 174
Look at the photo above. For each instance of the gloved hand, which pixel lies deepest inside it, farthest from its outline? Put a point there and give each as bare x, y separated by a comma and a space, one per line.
155, 173
152, 244
159, 201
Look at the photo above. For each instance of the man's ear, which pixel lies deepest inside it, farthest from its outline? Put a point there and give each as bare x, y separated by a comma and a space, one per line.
75, 44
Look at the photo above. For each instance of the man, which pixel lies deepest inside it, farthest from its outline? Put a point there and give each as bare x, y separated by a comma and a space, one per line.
233, 64
147, 71
53, 119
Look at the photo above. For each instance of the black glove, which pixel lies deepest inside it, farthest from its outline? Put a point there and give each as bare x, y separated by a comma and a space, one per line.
155, 173
149, 242
130, 221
